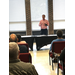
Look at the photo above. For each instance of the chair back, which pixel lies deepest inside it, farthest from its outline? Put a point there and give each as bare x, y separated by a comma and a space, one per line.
25, 57
58, 46
26, 44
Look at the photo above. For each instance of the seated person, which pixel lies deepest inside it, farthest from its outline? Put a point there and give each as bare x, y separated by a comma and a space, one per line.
62, 58
9, 39
23, 48
16, 66
19, 39
59, 38
62, 55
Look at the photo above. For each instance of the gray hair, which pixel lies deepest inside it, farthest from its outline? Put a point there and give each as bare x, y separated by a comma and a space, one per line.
13, 50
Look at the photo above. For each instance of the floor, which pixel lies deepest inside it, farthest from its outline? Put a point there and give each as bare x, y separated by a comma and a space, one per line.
40, 59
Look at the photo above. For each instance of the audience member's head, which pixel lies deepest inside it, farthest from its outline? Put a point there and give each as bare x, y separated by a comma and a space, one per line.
13, 38
59, 33
13, 50
19, 37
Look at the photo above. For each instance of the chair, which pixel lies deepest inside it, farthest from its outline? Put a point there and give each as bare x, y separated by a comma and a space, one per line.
26, 44
25, 57
56, 47
61, 66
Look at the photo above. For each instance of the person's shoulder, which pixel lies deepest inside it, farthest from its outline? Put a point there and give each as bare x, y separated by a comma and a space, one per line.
55, 40
63, 39
46, 19
21, 42
22, 45
26, 64
60, 40
29, 68
22, 65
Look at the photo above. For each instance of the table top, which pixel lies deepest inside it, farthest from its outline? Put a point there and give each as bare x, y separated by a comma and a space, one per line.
40, 35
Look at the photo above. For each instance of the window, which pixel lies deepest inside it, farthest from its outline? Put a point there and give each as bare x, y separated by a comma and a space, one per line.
17, 16
38, 8
17, 27
59, 14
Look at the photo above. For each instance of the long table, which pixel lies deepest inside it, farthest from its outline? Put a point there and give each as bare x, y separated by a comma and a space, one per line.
29, 40
41, 40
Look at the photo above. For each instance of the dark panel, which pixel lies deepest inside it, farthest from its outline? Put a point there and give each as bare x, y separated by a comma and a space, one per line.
34, 32
21, 33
